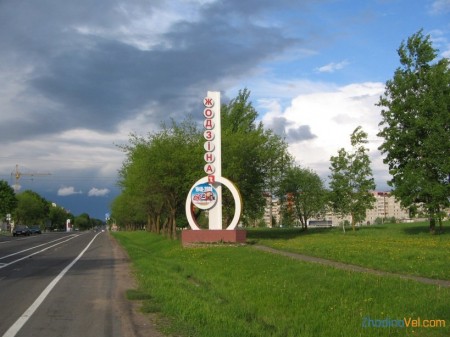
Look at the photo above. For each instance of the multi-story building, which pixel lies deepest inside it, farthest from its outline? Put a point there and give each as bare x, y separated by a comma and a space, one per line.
272, 210
385, 207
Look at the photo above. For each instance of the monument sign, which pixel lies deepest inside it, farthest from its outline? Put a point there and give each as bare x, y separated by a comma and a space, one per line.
206, 193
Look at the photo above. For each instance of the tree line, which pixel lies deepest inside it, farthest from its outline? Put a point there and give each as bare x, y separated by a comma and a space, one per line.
30, 208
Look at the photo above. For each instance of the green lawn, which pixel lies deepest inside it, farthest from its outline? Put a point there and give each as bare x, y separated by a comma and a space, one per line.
240, 291
404, 248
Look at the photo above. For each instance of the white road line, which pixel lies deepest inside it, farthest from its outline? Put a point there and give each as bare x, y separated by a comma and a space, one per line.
40, 251
6, 256
14, 329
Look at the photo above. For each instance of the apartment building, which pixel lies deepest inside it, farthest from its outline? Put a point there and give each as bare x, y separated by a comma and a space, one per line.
385, 207
272, 210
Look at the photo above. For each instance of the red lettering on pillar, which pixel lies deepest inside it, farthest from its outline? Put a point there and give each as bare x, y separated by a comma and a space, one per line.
208, 124
208, 146
208, 113
209, 157
208, 134
209, 169
208, 102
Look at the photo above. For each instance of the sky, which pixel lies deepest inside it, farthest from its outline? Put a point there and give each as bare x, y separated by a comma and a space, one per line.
78, 77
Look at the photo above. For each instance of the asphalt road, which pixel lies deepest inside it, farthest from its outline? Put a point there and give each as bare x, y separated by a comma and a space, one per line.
63, 284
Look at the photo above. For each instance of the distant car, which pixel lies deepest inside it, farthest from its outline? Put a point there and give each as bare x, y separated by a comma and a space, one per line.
21, 230
35, 230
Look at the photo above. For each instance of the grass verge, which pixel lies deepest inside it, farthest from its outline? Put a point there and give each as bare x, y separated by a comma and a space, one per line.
238, 291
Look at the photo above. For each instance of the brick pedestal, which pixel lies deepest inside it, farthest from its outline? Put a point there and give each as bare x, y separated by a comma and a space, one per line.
212, 236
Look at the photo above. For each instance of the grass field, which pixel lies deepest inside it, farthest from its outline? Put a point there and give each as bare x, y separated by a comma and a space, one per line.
240, 291
404, 248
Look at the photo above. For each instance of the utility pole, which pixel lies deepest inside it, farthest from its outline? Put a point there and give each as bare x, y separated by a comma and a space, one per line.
17, 174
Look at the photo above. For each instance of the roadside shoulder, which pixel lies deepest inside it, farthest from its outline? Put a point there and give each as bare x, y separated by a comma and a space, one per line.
134, 323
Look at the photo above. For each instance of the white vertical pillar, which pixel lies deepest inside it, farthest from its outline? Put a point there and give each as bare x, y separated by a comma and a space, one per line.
215, 213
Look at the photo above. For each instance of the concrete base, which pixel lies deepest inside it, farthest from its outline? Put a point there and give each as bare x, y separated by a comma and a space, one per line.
212, 236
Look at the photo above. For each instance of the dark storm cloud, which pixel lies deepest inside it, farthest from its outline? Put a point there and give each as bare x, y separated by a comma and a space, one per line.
281, 127
303, 132
279, 124
96, 81
36, 30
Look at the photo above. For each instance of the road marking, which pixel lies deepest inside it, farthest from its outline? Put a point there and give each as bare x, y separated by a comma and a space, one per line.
14, 329
6, 256
40, 251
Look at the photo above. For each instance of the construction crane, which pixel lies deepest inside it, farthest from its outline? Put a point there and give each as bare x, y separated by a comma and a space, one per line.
17, 174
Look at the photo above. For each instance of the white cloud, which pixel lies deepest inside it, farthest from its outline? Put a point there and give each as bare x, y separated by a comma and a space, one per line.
440, 7
332, 67
440, 42
66, 191
331, 117
96, 192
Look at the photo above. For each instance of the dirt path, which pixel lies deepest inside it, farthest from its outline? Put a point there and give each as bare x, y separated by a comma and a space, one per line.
351, 267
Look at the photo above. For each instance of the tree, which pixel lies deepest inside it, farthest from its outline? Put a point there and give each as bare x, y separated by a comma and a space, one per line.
252, 156
157, 176
31, 209
352, 180
416, 127
83, 221
278, 160
8, 200
141, 202
58, 217
177, 164
307, 195
128, 212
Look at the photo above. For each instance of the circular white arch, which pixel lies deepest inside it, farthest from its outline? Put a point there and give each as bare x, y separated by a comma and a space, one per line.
234, 192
